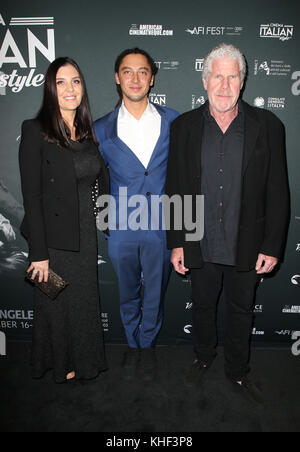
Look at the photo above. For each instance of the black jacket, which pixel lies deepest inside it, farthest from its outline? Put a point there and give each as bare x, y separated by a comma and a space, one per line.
50, 195
265, 202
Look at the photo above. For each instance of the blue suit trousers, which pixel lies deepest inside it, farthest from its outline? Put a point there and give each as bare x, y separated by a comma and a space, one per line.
143, 264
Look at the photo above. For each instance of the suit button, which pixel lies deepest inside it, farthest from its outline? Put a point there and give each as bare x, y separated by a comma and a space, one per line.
52, 180
146, 173
56, 214
148, 193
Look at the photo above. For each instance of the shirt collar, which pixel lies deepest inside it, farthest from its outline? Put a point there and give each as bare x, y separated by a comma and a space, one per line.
150, 110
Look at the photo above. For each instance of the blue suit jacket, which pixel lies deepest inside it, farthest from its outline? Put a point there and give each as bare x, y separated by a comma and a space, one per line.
128, 174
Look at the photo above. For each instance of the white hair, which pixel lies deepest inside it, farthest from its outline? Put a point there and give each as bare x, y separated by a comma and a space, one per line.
221, 51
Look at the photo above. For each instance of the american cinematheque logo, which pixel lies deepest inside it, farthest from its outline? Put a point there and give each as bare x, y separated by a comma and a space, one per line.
11, 36
149, 30
277, 31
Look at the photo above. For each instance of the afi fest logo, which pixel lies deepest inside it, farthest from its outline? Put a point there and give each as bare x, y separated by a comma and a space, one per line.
2, 344
10, 53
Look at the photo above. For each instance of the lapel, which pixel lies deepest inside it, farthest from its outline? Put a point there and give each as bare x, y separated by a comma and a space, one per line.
163, 130
113, 134
251, 132
196, 134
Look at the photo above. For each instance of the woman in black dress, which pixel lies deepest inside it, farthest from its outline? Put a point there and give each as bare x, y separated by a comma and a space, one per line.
60, 166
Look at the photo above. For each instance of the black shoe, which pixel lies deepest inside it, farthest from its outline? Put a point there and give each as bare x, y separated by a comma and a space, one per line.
148, 364
130, 363
248, 390
196, 374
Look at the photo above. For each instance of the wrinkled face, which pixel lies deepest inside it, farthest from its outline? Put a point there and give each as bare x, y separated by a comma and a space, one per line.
69, 88
135, 77
223, 85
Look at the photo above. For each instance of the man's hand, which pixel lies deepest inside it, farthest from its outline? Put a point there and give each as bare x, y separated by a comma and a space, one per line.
177, 259
265, 264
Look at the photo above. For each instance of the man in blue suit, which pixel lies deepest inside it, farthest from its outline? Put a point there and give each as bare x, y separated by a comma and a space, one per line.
134, 142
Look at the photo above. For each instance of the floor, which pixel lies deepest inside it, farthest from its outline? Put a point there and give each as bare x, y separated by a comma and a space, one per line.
108, 404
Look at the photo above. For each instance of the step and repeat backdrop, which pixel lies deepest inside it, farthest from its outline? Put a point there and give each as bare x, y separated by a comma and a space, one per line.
178, 34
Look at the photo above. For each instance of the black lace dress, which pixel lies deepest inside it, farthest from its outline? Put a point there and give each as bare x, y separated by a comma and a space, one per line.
67, 334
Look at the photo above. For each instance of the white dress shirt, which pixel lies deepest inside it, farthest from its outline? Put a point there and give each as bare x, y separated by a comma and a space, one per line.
141, 135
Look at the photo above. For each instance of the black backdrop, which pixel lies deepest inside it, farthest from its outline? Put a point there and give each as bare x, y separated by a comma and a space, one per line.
178, 34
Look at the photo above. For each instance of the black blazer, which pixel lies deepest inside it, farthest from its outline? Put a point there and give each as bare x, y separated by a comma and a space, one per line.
50, 195
265, 202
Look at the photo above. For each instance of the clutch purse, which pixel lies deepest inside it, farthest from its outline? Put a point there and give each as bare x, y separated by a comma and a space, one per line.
52, 287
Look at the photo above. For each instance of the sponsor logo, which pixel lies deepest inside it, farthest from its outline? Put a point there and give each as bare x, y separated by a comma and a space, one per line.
277, 31
291, 310
284, 332
258, 308
276, 103
259, 102
149, 30
199, 64
214, 31
197, 101
187, 329
104, 319
10, 52
2, 344
101, 260
272, 68
298, 247
295, 279
189, 305
296, 345
296, 84
158, 99
256, 332
167, 65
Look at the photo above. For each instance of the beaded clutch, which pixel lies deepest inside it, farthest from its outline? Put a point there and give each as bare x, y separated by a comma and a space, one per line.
52, 287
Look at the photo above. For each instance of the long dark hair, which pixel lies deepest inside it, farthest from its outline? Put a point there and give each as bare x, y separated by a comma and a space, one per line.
134, 51
54, 127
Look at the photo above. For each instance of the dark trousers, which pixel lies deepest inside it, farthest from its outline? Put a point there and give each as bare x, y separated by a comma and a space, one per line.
240, 289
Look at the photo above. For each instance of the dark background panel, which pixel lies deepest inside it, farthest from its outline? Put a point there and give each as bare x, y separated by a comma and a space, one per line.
94, 33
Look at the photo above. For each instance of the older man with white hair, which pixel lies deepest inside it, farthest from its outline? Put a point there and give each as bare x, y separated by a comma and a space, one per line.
234, 155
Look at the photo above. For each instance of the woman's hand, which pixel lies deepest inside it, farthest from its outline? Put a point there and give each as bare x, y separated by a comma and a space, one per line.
40, 268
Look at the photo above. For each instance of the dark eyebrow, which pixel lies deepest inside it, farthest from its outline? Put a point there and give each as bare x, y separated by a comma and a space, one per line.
127, 67
63, 78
